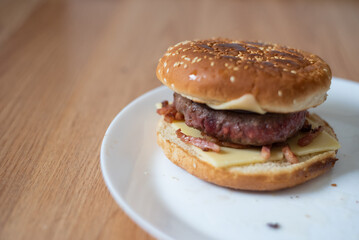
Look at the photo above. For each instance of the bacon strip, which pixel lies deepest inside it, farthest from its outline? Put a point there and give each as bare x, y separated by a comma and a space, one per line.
164, 103
224, 144
233, 145
289, 155
203, 144
306, 126
265, 152
309, 137
169, 112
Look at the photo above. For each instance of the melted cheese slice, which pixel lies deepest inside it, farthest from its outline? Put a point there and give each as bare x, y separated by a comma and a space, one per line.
234, 157
247, 102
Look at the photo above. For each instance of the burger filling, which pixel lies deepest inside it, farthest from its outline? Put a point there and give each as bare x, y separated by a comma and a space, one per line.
243, 130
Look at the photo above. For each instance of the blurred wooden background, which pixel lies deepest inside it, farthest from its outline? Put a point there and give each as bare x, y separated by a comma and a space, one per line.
68, 67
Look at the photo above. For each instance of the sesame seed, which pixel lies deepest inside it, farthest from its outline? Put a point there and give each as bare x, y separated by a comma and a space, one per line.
325, 70
176, 64
165, 64
172, 85
292, 71
167, 54
226, 64
192, 77
236, 68
232, 78
185, 66
173, 54
164, 79
280, 93
167, 70
212, 64
187, 59
285, 70
199, 59
246, 67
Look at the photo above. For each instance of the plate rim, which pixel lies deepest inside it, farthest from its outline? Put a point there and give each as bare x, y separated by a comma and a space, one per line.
136, 217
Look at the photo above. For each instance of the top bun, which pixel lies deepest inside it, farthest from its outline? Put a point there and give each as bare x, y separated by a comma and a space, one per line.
218, 71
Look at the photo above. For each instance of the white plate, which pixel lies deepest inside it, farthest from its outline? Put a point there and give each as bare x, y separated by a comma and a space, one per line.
169, 203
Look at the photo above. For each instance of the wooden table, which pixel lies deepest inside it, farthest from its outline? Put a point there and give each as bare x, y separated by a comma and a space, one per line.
68, 67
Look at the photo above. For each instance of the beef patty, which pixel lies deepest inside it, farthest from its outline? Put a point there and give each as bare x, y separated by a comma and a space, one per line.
239, 127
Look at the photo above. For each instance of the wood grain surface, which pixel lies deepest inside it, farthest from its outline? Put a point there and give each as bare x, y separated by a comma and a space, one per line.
68, 67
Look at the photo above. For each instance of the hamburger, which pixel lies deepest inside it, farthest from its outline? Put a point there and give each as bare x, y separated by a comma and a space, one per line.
239, 115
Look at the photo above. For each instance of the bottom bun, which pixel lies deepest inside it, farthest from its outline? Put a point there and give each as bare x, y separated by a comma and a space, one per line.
266, 176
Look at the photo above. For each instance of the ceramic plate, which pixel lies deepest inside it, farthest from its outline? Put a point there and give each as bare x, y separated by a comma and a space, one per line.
169, 203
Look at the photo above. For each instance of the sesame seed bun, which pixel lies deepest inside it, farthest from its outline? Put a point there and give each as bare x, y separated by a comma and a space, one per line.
266, 176
218, 71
